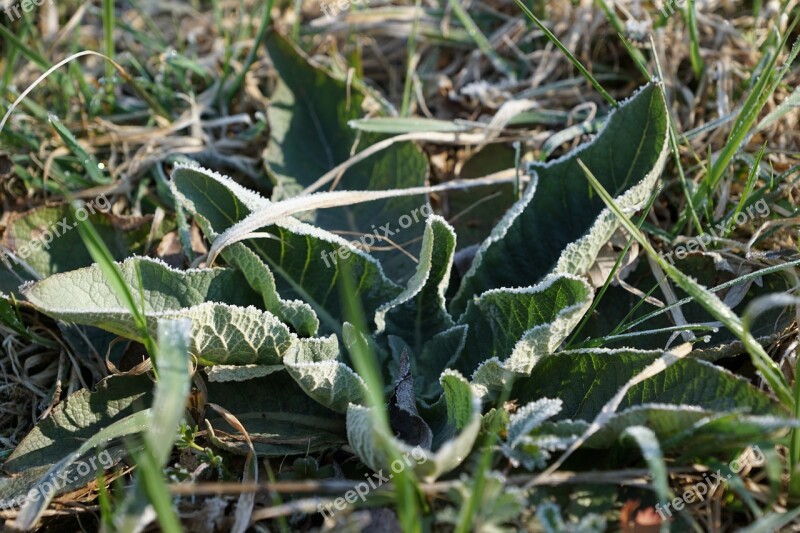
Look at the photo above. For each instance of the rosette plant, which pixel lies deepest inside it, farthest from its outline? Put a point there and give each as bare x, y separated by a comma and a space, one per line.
268, 326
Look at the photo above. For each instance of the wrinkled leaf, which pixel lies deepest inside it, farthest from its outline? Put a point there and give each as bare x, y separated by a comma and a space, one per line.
315, 365
419, 313
226, 328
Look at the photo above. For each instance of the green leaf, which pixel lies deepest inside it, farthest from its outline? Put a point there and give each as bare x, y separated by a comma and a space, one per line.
315, 365
280, 418
676, 403
768, 368
78, 418
296, 313
45, 460
694, 431
558, 226
586, 379
530, 417
455, 422
45, 238
226, 328
517, 327
33, 508
531, 440
302, 258
419, 313
308, 106
217, 202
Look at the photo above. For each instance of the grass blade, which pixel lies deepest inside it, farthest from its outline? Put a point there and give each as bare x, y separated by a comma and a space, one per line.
102, 256
251, 55
574, 60
694, 50
109, 23
365, 363
480, 39
761, 91
169, 405
711, 303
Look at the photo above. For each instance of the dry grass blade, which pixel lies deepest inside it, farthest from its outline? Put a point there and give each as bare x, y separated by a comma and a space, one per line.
274, 212
244, 507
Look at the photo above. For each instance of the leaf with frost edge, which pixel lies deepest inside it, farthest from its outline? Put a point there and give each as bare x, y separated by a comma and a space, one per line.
420, 281
322, 376
364, 438
578, 256
537, 342
380, 287
295, 312
221, 332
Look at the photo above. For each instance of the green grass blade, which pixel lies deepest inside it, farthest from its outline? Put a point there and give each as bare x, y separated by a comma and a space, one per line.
757, 98
574, 60
365, 363
694, 49
152, 480
676, 154
741, 279
411, 52
266, 19
711, 303
619, 27
748, 188
755, 308
169, 406
102, 256
32, 55
108, 39
88, 161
